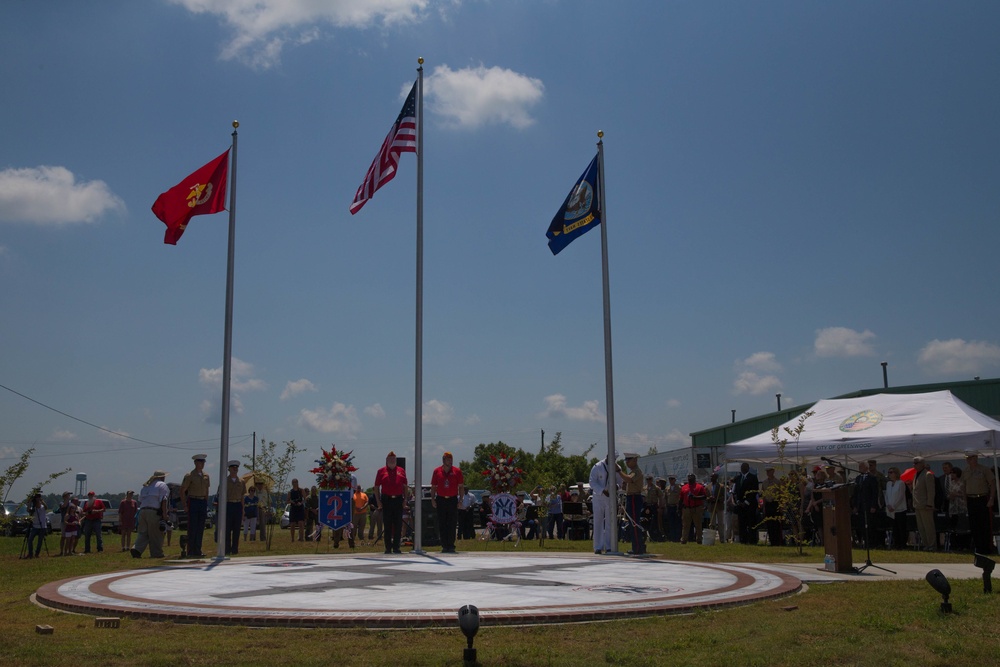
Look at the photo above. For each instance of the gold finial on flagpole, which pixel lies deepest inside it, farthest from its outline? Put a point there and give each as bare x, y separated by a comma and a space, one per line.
236, 124
420, 60
600, 134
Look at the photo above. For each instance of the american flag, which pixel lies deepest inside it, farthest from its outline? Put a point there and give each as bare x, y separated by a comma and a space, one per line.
402, 138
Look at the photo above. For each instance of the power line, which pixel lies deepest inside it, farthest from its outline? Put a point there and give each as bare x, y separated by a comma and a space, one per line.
107, 430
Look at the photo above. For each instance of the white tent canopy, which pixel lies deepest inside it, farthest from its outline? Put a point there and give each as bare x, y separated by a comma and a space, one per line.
935, 425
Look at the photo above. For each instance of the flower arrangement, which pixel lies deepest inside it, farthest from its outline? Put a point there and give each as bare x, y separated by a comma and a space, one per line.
502, 473
334, 469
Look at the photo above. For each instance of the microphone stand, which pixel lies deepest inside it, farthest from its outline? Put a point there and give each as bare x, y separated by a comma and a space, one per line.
868, 540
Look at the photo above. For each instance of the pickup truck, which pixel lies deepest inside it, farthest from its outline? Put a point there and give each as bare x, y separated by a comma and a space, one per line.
109, 522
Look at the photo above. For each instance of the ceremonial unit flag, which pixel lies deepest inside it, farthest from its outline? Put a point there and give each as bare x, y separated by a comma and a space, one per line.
201, 193
581, 211
402, 138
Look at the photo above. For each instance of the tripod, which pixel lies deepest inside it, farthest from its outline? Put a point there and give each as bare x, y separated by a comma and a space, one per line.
26, 545
868, 551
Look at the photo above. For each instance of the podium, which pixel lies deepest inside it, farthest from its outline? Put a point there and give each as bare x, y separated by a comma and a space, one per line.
837, 526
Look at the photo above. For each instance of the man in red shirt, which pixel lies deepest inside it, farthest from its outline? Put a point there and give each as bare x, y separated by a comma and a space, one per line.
93, 515
447, 486
693, 496
390, 491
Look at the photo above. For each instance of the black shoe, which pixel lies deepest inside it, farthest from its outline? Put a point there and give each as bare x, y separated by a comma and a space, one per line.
135, 553
396, 551
388, 551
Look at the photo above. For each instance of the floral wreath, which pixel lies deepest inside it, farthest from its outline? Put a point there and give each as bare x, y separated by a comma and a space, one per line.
502, 473
334, 469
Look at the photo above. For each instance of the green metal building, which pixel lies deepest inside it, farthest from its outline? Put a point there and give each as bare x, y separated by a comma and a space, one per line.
983, 395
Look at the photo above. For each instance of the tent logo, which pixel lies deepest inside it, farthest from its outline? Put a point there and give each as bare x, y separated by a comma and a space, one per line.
861, 421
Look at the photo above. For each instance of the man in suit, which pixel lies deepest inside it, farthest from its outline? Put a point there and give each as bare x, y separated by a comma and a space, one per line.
746, 492
864, 504
923, 504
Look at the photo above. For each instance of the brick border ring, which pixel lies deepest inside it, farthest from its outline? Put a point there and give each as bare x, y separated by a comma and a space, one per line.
376, 591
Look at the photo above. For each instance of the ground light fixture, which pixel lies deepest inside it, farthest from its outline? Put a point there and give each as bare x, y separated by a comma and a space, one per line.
468, 621
986, 565
940, 583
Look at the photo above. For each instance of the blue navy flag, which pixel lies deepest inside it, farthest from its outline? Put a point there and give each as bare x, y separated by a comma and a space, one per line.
581, 211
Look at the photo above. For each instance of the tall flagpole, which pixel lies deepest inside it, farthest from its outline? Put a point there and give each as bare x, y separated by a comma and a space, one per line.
418, 398
220, 514
608, 374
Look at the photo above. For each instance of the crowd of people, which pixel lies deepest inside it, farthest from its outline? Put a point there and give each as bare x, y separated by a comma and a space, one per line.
893, 510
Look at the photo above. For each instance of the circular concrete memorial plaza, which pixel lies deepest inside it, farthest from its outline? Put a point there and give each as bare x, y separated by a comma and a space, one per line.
412, 590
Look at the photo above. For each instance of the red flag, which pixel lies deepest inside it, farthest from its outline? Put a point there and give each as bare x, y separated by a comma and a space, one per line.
402, 138
201, 193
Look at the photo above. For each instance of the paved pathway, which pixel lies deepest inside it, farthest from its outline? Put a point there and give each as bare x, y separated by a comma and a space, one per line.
416, 591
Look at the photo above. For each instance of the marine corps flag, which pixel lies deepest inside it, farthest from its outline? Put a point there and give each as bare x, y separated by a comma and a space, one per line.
581, 211
201, 193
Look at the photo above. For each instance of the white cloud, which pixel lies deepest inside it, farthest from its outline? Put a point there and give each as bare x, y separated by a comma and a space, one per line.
437, 413
476, 96
240, 377
957, 356
9, 453
673, 403
264, 27
211, 408
843, 342
63, 435
555, 406
293, 389
52, 196
755, 374
472, 420
340, 420
376, 411
761, 361
749, 382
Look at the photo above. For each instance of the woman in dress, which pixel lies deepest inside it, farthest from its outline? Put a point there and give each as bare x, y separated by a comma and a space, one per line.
297, 511
895, 507
956, 506
127, 510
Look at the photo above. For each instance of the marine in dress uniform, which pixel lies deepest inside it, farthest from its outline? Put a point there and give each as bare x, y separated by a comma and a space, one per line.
634, 502
235, 490
195, 488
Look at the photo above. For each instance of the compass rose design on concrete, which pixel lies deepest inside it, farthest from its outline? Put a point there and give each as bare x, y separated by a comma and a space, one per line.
415, 590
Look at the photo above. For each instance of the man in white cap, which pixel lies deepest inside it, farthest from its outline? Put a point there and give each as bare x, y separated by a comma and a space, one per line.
601, 480
152, 516
235, 490
195, 489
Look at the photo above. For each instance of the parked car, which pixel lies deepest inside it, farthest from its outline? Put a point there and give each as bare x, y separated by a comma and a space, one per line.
477, 507
16, 519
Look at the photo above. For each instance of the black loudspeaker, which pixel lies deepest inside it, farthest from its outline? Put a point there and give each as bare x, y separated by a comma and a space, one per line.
428, 519
401, 462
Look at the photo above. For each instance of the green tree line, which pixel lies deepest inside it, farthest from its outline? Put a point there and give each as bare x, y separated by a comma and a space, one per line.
549, 467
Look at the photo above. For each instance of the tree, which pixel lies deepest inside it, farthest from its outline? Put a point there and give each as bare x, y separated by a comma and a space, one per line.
16, 471
788, 491
274, 467
550, 467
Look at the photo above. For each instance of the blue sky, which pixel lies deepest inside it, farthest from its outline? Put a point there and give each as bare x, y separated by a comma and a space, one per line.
796, 192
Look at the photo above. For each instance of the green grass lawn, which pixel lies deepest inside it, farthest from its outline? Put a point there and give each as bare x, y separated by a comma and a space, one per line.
858, 623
